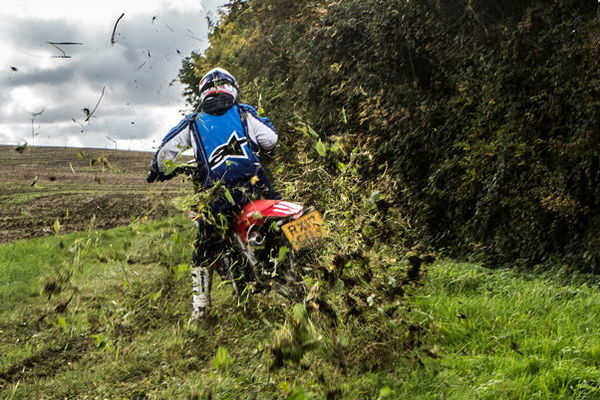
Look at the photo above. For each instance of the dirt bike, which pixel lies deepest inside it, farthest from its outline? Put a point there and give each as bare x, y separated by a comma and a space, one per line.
270, 236
267, 239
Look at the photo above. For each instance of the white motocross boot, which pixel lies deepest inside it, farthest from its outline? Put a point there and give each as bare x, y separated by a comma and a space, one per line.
201, 286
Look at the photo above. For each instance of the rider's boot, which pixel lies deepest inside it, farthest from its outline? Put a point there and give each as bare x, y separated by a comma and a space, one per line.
201, 286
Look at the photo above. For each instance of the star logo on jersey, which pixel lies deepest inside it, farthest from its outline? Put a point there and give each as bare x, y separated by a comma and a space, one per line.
232, 149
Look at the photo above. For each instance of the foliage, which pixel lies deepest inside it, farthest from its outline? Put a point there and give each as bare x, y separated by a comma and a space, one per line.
485, 112
22, 148
222, 359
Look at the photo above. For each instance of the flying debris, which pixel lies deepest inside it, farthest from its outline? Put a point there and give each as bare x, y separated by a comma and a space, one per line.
34, 115
22, 148
63, 305
154, 19
37, 114
169, 28
57, 44
193, 36
178, 52
114, 142
80, 124
112, 37
15, 69
172, 82
149, 54
89, 114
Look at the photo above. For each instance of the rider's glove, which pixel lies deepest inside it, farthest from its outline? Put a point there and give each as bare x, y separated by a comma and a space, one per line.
152, 176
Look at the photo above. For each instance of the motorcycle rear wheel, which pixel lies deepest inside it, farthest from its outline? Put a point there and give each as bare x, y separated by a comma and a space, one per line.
273, 266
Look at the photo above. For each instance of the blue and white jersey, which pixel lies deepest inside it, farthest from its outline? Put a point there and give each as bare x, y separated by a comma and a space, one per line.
225, 145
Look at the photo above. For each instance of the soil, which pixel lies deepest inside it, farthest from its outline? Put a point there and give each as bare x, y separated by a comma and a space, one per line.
78, 187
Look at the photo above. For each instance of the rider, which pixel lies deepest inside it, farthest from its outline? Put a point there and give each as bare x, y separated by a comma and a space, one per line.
225, 137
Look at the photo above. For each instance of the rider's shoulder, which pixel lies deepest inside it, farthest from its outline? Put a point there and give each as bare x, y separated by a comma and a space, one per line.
248, 109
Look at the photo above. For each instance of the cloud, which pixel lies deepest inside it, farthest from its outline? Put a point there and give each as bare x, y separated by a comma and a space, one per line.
32, 32
137, 73
39, 76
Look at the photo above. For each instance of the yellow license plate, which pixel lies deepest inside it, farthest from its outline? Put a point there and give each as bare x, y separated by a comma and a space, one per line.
305, 231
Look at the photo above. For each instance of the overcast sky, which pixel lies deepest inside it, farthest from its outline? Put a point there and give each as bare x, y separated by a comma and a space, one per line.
140, 103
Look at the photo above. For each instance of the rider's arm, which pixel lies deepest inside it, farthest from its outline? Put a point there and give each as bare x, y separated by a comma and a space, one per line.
175, 142
262, 134
260, 129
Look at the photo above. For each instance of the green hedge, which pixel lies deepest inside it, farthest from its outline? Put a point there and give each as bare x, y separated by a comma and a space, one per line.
487, 112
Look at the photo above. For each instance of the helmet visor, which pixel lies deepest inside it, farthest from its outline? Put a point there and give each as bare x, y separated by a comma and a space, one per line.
215, 84
224, 87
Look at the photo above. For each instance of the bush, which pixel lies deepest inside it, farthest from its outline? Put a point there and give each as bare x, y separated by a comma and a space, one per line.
486, 111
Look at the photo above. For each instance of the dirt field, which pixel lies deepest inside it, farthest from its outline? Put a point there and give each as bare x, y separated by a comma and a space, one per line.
76, 186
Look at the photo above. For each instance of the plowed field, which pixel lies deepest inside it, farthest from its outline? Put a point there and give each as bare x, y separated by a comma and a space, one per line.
77, 187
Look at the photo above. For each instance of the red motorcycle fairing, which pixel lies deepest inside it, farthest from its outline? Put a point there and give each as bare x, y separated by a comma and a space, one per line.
258, 211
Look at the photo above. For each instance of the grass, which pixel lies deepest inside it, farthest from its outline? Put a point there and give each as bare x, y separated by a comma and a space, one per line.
502, 334
118, 327
479, 333
23, 263
106, 265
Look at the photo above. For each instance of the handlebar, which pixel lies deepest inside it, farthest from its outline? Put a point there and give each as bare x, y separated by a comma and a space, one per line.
188, 170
